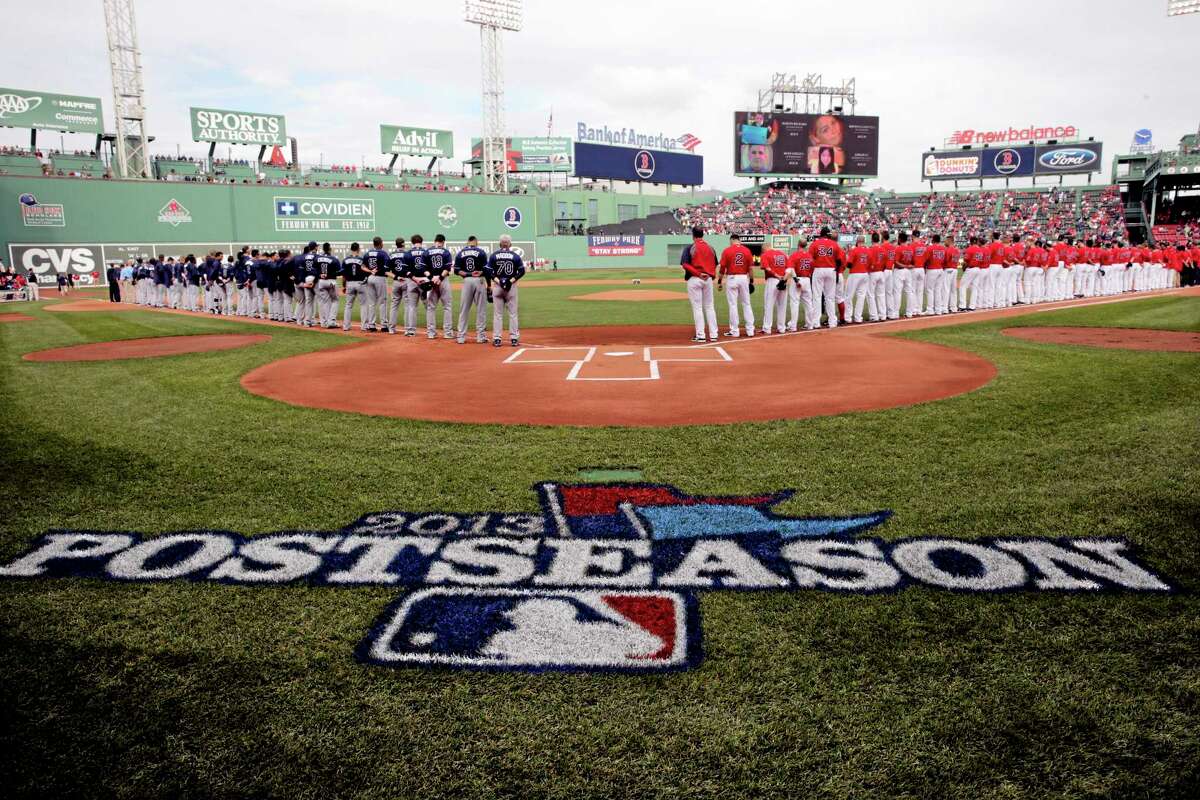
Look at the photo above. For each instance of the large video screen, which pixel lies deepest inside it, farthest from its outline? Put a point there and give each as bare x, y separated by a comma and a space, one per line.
805, 144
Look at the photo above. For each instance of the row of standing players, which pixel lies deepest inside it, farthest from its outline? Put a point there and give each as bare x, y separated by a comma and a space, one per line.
303, 288
918, 277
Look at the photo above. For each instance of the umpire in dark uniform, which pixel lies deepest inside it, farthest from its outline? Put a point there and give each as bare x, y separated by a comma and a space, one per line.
113, 274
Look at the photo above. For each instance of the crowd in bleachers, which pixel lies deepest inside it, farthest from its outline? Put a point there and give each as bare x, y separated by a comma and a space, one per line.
13, 285
957, 216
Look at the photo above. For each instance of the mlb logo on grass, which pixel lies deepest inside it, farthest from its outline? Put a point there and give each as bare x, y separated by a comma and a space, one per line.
538, 630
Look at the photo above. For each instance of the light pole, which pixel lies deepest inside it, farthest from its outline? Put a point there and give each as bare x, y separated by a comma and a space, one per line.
492, 17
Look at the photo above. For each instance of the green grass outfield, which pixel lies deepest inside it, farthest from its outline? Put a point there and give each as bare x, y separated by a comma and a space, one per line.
195, 690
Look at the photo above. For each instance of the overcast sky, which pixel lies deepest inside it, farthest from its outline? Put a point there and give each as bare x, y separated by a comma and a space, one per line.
338, 69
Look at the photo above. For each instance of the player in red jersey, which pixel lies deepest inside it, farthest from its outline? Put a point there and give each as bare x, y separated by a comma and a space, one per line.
953, 260
902, 280
775, 288
890, 254
737, 272
857, 280
935, 274
699, 262
800, 269
877, 279
1035, 273
920, 262
827, 257
993, 279
974, 267
1013, 267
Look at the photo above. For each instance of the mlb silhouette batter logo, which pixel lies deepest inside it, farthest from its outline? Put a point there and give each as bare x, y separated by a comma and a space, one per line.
539, 630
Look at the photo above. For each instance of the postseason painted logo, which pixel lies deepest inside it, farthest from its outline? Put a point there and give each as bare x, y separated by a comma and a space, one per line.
603, 579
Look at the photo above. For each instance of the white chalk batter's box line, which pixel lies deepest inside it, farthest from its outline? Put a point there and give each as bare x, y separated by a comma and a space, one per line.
647, 358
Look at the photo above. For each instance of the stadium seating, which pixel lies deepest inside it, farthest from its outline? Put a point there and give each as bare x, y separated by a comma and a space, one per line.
88, 166
15, 164
957, 215
273, 173
164, 168
234, 172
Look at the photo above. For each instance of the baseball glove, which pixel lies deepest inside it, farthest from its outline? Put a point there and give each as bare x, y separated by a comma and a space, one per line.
752, 288
489, 294
781, 286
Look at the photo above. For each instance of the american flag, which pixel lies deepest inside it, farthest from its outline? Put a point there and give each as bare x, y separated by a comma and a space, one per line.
689, 142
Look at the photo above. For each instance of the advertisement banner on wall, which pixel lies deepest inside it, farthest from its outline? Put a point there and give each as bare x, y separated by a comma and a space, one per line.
237, 127
83, 262
23, 108
1065, 159
630, 164
1008, 162
532, 154
618, 244
951, 166
406, 140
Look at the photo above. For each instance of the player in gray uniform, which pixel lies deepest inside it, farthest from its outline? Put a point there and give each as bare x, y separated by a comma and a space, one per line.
328, 269
469, 265
354, 286
418, 279
399, 271
306, 286
505, 268
440, 263
375, 264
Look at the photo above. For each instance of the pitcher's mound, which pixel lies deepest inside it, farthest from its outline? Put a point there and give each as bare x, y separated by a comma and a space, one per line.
148, 348
1117, 338
633, 295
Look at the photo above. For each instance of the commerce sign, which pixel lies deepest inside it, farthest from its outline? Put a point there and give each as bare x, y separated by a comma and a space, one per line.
21, 108
604, 578
403, 140
238, 127
323, 214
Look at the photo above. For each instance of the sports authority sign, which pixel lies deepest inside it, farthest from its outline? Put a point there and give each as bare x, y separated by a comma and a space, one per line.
604, 578
1012, 134
323, 214
237, 127
403, 140
21, 108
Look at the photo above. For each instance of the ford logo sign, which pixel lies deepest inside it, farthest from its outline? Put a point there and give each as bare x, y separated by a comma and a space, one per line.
1068, 158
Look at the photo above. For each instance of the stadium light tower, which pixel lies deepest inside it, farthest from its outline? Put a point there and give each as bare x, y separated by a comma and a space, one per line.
492, 17
1177, 8
129, 108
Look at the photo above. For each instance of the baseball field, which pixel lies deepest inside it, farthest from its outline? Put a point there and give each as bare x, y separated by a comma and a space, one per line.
177, 683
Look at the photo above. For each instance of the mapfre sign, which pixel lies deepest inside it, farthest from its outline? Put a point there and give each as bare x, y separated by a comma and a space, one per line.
1026, 133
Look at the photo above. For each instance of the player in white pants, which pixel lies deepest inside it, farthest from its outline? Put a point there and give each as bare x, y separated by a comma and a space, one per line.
901, 286
736, 279
775, 290
699, 262
857, 281
800, 267
877, 283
